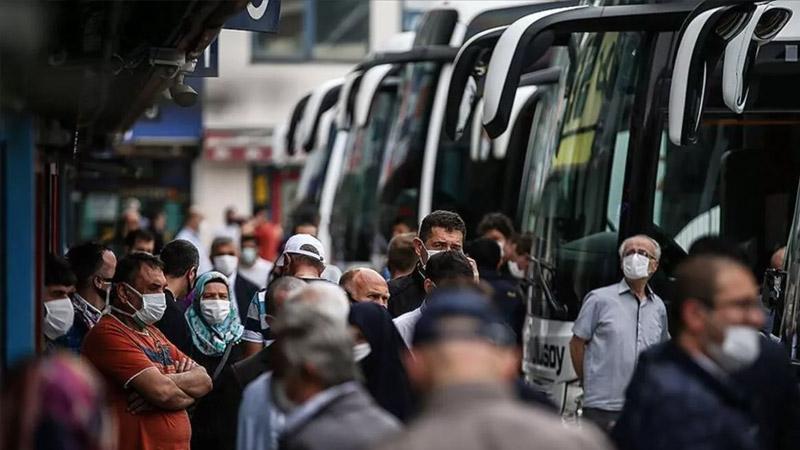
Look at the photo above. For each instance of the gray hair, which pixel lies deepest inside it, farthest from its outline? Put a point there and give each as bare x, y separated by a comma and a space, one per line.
641, 236
327, 298
287, 284
305, 336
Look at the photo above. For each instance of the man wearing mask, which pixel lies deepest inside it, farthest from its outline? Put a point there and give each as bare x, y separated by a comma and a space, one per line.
252, 266
150, 381
93, 265
59, 283
439, 231
180, 260
225, 258
615, 324
682, 394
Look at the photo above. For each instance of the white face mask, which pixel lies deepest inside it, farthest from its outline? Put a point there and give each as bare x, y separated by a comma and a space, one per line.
153, 307
636, 266
249, 255
361, 351
515, 270
226, 264
430, 253
58, 318
739, 348
215, 311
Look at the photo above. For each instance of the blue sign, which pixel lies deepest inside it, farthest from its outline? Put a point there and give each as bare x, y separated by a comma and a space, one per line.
208, 63
258, 15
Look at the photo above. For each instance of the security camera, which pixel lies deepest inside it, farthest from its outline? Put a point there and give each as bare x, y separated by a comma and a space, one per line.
182, 94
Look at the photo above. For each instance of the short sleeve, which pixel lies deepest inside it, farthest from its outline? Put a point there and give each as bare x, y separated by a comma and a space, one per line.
586, 323
252, 324
115, 355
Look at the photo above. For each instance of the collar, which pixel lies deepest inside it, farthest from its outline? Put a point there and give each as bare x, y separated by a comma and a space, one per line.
305, 412
88, 312
459, 396
623, 287
709, 366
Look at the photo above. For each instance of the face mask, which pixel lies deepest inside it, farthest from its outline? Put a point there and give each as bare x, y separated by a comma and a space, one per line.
739, 349
502, 246
636, 266
516, 272
215, 311
361, 351
226, 264
58, 318
153, 307
249, 255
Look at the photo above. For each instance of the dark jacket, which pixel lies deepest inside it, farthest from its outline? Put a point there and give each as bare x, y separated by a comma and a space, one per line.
350, 421
214, 416
773, 388
674, 404
407, 293
250, 368
245, 291
173, 325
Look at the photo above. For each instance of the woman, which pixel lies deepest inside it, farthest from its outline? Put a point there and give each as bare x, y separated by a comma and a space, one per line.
378, 350
216, 332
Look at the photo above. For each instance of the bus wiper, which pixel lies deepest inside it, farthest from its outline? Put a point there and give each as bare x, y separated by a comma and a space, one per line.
537, 278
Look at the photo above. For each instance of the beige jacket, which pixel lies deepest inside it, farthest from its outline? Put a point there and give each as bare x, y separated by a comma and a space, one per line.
484, 416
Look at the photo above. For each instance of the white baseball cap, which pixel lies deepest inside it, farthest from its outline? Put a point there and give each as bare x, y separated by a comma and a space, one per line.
302, 244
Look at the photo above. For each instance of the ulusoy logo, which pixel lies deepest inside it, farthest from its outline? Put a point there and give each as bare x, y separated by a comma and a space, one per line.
548, 355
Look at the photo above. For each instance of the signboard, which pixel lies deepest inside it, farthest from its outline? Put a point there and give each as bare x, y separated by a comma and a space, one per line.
258, 15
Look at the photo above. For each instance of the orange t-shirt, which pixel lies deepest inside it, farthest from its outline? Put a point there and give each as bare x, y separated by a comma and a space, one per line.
120, 354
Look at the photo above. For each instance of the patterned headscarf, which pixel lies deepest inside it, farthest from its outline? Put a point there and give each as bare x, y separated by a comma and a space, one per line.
210, 339
56, 402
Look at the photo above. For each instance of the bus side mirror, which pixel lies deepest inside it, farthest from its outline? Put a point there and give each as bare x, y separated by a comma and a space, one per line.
741, 52
773, 289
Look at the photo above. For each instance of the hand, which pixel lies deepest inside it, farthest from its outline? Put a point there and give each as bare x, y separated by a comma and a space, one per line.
474, 266
184, 365
137, 404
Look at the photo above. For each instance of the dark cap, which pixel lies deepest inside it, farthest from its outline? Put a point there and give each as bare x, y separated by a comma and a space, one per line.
445, 304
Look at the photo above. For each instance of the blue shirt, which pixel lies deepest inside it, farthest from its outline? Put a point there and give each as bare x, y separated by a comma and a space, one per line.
617, 328
260, 422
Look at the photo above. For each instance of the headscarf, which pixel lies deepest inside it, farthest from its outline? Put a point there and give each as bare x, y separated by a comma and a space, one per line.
56, 402
385, 376
210, 339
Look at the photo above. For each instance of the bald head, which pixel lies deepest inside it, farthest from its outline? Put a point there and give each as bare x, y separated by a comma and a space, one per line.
365, 285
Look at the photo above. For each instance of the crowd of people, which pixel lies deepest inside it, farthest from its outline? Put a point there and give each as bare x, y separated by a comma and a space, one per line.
258, 343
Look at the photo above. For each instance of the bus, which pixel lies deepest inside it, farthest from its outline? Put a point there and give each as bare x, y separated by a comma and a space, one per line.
611, 170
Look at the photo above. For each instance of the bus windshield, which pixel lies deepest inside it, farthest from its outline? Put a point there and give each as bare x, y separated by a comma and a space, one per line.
354, 218
574, 185
401, 169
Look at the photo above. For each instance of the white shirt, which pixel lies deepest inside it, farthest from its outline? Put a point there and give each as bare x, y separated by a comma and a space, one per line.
190, 235
405, 324
258, 273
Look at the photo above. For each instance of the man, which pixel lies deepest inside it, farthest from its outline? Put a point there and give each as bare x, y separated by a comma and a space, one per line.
316, 376
59, 283
269, 235
444, 267
497, 227
400, 257
180, 260
439, 231
150, 381
251, 266
365, 285
94, 266
303, 257
465, 363
682, 395
260, 422
615, 324
263, 308
225, 258
140, 240
518, 256
191, 233
507, 296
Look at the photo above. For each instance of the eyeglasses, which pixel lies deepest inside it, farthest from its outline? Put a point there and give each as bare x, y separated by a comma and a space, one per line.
638, 252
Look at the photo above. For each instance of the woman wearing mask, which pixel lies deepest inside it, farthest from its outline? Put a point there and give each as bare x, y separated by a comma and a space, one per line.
216, 332
378, 350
